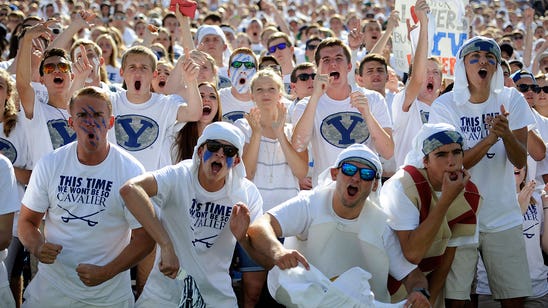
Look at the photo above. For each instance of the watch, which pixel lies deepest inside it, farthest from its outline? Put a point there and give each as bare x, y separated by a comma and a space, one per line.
423, 291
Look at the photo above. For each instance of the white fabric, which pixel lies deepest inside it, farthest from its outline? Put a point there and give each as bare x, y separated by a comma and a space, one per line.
10, 204
113, 74
16, 148
406, 125
493, 175
142, 129
197, 222
533, 219
273, 176
320, 235
541, 166
47, 130
86, 215
298, 287
233, 108
337, 125
415, 156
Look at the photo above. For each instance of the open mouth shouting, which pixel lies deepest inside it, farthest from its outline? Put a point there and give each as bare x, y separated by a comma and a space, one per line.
137, 85
335, 75
206, 110
482, 73
216, 167
162, 83
242, 81
58, 80
352, 190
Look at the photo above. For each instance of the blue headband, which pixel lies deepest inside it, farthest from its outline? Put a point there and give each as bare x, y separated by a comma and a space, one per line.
480, 43
521, 74
440, 139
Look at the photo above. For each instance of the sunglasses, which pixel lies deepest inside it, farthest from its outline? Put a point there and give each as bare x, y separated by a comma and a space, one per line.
228, 149
275, 67
544, 89
366, 174
281, 46
525, 87
62, 66
311, 47
238, 64
518, 37
305, 76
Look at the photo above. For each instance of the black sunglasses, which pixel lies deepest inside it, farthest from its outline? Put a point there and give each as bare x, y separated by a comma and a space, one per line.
305, 76
366, 174
281, 46
238, 64
544, 89
525, 87
228, 149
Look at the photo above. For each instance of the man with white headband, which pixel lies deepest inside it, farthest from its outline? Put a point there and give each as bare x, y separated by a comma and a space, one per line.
493, 120
334, 227
431, 203
196, 198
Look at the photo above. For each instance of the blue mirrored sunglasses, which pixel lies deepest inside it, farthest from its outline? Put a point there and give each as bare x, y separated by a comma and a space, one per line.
366, 174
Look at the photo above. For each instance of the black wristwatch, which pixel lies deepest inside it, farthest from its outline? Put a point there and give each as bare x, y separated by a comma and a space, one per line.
423, 291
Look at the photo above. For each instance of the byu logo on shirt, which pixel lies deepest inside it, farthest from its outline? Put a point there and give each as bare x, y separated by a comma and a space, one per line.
135, 132
231, 117
60, 133
7, 148
344, 129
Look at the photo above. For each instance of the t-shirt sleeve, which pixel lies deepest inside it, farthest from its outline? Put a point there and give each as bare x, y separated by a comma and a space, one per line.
399, 267
8, 186
402, 213
379, 109
165, 179
36, 196
399, 117
293, 215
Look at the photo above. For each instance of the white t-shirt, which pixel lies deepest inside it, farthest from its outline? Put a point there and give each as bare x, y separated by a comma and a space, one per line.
233, 108
10, 204
406, 125
542, 128
47, 130
494, 174
113, 74
197, 221
273, 176
334, 244
142, 129
87, 216
338, 125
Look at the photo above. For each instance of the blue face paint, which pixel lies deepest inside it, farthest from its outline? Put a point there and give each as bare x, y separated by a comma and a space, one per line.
491, 61
207, 155
229, 162
473, 61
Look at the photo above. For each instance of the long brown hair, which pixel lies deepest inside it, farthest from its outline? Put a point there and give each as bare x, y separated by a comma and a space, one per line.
10, 110
187, 137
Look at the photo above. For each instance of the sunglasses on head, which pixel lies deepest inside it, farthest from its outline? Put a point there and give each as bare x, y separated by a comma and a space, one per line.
525, 87
228, 149
366, 174
62, 66
305, 76
246, 64
281, 46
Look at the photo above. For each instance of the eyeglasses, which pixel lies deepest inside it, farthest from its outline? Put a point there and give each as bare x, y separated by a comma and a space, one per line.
281, 46
366, 174
246, 64
518, 37
214, 146
62, 66
525, 87
311, 47
544, 89
305, 76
